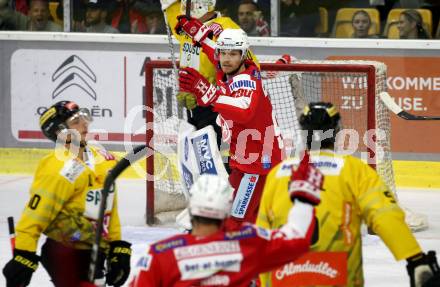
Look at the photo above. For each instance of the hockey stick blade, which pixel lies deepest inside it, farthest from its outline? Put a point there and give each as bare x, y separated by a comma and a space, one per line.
396, 109
130, 158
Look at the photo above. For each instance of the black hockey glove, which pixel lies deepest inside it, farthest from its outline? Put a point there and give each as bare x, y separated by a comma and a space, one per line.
118, 263
423, 270
18, 271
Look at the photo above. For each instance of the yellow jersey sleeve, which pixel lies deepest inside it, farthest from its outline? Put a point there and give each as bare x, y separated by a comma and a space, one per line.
383, 215
115, 224
48, 194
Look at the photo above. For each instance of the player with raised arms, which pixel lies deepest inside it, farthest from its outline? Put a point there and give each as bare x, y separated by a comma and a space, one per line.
192, 55
352, 193
245, 113
212, 255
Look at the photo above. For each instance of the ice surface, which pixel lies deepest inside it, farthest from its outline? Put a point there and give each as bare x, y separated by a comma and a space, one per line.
380, 267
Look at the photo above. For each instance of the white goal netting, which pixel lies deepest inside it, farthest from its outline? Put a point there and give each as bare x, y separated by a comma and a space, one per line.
352, 86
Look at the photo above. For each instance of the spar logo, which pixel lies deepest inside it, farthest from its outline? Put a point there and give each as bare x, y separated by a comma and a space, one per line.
74, 72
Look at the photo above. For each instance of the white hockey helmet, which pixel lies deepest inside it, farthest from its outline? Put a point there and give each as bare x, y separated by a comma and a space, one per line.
198, 7
211, 197
232, 39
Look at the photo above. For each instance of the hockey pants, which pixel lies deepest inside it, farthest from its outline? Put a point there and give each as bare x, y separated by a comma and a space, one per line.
67, 267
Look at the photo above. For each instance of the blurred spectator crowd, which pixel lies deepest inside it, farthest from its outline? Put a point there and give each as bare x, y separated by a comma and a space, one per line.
404, 19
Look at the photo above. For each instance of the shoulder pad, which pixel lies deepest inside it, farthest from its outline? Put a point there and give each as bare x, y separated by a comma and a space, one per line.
247, 231
72, 169
168, 244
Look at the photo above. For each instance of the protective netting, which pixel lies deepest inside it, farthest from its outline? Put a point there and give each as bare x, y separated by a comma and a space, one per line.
289, 91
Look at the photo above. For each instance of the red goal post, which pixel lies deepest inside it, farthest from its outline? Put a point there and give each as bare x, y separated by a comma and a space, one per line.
353, 86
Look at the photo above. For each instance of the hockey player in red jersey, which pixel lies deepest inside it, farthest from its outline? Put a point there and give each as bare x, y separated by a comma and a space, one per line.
245, 113
212, 256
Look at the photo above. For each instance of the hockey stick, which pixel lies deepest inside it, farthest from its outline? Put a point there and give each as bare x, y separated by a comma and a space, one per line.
188, 8
137, 153
392, 106
11, 228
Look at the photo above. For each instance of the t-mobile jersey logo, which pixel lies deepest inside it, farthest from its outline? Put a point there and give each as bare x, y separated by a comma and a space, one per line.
74, 72
244, 194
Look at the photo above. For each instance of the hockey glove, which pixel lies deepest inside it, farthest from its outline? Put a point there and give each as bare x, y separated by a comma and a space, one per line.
284, 59
306, 182
118, 263
18, 271
186, 100
423, 270
195, 29
193, 82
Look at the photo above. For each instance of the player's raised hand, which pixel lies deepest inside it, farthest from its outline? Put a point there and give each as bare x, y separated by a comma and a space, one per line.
284, 59
306, 182
193, 82
193, 27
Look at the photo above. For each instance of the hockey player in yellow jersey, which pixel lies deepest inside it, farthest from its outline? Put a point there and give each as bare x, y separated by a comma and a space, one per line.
64, 204
352, 193
191, 55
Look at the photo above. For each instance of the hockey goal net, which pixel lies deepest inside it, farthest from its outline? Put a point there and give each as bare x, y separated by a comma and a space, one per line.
353, 86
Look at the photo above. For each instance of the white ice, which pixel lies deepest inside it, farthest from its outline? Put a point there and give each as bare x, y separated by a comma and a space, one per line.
380, 268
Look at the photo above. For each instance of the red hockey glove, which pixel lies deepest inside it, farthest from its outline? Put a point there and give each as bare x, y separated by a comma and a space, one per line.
306, 182
195, 29
193, 82
284, 59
